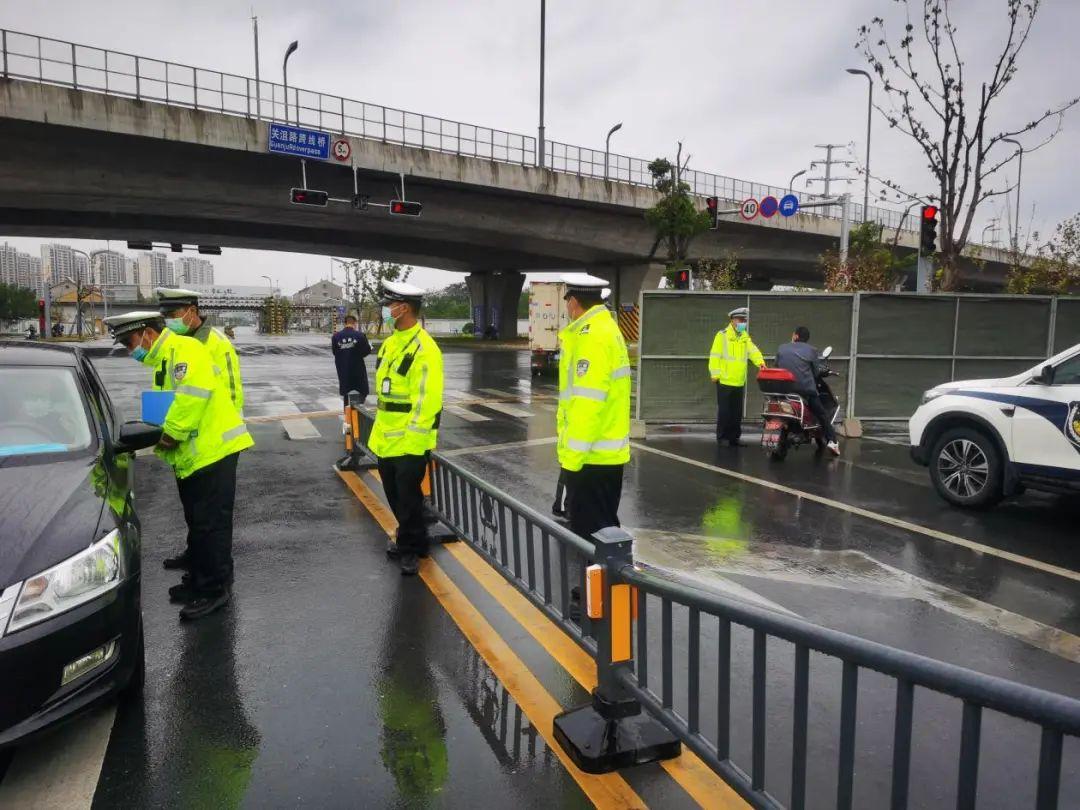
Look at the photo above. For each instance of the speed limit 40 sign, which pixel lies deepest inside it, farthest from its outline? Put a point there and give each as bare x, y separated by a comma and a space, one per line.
749, 209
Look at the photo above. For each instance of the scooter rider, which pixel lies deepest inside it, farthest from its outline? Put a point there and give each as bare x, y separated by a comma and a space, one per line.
802, 360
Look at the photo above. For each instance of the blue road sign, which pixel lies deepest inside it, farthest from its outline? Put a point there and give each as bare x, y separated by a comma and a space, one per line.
789, 204
768, 206
307, 143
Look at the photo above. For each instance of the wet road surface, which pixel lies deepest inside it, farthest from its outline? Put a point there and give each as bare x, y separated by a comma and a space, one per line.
300, 695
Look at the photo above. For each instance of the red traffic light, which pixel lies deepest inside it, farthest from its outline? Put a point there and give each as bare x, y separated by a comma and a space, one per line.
929, 212
405, 208
711, 203
307, 196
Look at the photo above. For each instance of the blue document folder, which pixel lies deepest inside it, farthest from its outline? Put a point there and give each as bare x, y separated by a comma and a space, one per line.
155, 404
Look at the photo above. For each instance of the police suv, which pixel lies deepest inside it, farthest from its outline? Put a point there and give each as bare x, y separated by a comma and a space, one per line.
986, 439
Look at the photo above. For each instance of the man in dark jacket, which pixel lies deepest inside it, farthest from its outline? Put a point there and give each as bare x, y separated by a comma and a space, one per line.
350, 347
801, 359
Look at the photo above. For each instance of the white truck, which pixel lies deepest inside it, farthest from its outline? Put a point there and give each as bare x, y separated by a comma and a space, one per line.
547, 316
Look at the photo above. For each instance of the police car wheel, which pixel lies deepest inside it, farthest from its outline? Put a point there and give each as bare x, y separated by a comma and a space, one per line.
966, 468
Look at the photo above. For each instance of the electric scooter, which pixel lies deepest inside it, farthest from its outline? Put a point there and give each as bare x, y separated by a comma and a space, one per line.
788, 420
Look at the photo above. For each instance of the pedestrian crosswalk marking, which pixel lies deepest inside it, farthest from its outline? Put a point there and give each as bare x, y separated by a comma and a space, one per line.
466, 414
509, 410
295, 429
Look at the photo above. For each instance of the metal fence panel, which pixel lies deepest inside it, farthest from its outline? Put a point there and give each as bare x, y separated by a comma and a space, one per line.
891, 387
1003, 327
685, 323
898, 324
1067, 327
683, 390
981, 369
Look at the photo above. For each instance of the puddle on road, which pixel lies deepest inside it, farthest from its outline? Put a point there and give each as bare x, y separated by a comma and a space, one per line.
710, 561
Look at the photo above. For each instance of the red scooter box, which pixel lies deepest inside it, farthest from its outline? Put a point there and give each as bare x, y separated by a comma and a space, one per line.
776, 381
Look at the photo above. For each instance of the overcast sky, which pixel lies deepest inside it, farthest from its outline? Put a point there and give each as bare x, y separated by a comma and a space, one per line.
749, 87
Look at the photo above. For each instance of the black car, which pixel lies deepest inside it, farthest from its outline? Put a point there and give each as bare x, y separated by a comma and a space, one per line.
70, 617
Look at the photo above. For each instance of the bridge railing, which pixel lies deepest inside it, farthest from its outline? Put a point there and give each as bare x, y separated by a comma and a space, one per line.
67, 64
703, 664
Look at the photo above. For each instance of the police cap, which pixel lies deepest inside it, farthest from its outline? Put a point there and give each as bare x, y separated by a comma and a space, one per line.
170, 298
740, 312
392, 292
122, 325
583, 284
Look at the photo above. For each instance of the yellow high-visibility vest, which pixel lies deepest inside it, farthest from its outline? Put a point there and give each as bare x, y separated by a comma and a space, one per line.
202, 417
409, 385
728, 355
226, 359
594, 392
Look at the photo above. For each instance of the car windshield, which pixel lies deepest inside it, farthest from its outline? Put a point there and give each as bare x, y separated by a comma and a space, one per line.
41, 411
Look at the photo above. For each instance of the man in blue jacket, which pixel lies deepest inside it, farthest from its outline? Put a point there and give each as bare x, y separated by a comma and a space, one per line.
350, 346
802, 360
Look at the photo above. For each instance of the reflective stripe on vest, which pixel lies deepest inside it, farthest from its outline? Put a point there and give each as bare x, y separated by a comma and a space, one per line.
601, 444
589, 393
234, 433
194, 391
619, 373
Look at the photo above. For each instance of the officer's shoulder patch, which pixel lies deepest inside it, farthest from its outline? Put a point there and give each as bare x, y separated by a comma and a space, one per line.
582, 367
179, 371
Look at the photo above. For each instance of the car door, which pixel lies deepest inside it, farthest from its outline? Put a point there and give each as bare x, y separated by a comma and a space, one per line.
1046, 423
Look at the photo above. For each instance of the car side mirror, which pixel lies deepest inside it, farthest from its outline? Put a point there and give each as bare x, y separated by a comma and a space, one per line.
136, 435
825, 354
1044, 377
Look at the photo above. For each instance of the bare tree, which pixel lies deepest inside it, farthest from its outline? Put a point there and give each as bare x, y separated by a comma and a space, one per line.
929, 98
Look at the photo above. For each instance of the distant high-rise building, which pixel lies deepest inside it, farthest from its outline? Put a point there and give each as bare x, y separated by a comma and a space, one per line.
194, 270
30, 269
82, 268
153, 270
108, 268
58, 262
9, 265
129, 270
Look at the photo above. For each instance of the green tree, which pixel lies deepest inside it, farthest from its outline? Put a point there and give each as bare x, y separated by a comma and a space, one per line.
1056, 266
16, 303
363, 279
675, 218
450, 302
871, 264
721, 274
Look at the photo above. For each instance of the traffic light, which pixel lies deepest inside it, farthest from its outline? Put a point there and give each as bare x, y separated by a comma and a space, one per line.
682, 280
307, 196
176, 247
712, 204
210, 250
404, 208
360, 201
928, 230
140, 245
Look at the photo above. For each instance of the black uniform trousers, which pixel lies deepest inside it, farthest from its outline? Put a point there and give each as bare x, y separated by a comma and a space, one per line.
208, 496
729, 411
402, 478
817, 408
592, 497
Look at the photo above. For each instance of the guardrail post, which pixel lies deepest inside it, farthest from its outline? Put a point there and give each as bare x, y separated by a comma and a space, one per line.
356, 456
612, 732
3, 47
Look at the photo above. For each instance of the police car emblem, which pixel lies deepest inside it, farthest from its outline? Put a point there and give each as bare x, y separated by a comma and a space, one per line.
1072, 424
582, 367
179, 371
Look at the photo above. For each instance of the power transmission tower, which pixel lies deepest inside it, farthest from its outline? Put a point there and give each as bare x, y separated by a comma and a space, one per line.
828, 163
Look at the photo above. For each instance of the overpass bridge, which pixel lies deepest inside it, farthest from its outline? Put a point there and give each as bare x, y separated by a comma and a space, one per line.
102, 144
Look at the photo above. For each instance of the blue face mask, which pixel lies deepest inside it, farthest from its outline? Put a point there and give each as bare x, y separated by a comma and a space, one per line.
176, 325
139, 354
740, 327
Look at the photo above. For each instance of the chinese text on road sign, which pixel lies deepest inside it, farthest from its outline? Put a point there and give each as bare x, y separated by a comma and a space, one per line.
310, 143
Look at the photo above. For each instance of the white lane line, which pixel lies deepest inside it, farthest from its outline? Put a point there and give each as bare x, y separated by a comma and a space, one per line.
1038, 565
61, 771
466, 414
495, 392
510, 410
488, 448
295, 429
332, 403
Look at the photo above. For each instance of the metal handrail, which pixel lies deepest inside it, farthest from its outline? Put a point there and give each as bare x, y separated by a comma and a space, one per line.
53, 61
456, 500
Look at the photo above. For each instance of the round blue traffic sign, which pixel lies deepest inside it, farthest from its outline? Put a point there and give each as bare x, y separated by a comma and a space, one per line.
768, 206
789, 204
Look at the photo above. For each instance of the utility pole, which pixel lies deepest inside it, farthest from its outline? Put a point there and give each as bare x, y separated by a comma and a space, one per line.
543, 36
258, 90
828, 163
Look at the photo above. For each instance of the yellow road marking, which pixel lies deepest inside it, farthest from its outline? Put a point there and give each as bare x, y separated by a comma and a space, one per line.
1038, 565
603, 790
696, 778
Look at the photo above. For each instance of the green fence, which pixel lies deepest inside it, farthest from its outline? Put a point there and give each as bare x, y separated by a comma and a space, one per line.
887, 347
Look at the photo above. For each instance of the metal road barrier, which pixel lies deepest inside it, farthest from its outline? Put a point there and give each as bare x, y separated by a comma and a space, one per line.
82, 67
671, 653
887, 347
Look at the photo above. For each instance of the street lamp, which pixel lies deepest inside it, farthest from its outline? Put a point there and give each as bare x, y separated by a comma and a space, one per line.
794, 177
869, 113
543, 37
285, 79
607, 146
1019, 171
990, 226
270, 282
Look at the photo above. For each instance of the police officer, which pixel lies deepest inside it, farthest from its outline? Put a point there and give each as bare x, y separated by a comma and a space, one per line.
202, 435
409, 386
180, 309
593, 418
350, 346
731, 348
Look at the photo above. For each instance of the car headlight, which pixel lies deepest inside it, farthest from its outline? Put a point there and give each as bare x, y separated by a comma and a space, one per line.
933, 393
76, 580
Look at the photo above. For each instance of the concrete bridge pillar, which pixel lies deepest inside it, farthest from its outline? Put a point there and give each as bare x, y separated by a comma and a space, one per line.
495, 300
630, 279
